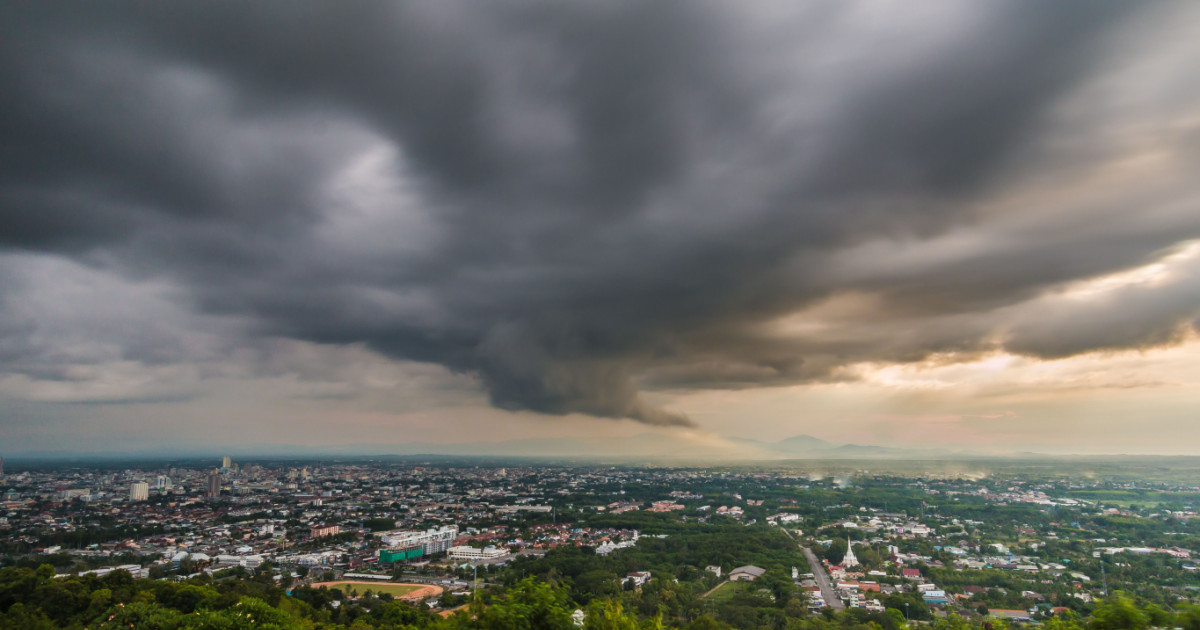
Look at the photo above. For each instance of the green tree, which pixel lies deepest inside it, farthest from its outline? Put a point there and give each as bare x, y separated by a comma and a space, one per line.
1188, 617
529, 606
140, 615
1118, 613
26, 618
708, 623
1062, 621
609, 616
836, 551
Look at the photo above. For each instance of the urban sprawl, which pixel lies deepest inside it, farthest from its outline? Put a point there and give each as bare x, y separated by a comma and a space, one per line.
335, 543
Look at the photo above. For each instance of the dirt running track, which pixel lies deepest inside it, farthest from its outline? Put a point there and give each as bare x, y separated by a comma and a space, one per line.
422, 591
427, 590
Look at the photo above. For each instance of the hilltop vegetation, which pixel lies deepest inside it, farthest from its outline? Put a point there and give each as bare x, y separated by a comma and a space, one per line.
33, 599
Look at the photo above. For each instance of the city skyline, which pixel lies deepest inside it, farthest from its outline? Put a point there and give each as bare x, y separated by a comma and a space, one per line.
696, 226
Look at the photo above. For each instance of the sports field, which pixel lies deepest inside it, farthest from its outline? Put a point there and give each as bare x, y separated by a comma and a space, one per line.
400, 591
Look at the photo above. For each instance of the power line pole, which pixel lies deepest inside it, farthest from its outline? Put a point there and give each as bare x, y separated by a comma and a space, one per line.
1103, 578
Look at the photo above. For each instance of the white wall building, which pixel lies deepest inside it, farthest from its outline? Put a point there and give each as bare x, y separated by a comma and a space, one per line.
139, 491
475, 554
638, 578
430, 541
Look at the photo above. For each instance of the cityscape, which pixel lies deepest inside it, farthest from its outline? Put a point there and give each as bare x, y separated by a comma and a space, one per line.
1018, 542
607, 315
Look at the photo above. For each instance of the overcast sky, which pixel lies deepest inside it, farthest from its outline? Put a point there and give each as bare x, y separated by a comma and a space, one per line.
963, 224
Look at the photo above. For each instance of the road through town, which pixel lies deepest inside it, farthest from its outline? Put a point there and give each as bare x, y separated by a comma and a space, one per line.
822, 578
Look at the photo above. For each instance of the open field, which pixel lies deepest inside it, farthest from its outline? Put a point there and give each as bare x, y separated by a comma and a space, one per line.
713, 589
399, 591
728, 590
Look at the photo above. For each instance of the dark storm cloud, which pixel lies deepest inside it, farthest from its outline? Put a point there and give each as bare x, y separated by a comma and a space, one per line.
567, 198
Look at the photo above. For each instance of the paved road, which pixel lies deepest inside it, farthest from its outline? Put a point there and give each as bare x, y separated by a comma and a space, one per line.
818, 571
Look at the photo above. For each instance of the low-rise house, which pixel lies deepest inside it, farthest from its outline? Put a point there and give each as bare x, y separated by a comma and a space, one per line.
638, 577
748, 573
321, 531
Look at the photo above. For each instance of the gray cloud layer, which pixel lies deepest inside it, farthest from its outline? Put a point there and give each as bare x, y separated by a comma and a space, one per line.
570, 199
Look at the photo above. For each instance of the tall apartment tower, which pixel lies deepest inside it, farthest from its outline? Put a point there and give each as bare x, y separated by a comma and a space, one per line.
214, 485
227, 462
139, 491
1, 466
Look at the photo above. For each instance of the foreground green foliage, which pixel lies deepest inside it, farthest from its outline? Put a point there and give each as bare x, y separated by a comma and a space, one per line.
34, 600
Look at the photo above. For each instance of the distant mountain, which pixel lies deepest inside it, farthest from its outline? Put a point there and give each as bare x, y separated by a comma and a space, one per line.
792, 446
645, 446
860, 450
685, 448
662, 446
666, 446
802, 443
809, 447
677, 447
807, 442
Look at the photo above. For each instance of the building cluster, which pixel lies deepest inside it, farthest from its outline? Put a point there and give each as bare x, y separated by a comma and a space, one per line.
374, 517
909, 549
314, 520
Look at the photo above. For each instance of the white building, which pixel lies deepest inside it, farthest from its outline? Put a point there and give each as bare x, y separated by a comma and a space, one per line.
513, 509
748, 573
139, 491
475, 554
315, 559
850, 560
608, 547
430, 541
135, 570
638, 578
247, 561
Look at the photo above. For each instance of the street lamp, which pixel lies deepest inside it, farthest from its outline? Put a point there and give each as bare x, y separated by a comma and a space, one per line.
905, 612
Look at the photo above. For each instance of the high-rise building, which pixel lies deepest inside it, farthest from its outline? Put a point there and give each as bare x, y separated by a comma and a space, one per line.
139, 491
214, 485
227, 462
163, 482
1, 466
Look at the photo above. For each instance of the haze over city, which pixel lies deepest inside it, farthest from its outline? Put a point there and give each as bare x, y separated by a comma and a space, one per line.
572, 228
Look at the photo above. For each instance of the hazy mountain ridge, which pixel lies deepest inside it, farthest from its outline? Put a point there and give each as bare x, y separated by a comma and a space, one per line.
642, 446
646, 447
